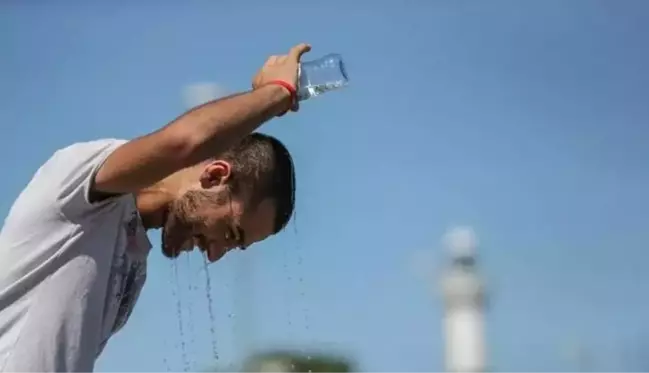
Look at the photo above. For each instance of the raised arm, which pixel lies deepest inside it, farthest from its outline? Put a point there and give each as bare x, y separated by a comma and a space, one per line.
203, 132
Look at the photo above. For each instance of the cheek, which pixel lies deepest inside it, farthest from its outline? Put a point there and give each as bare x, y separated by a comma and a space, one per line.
214, 220
175, 222
201, 216
236, 208
213, 225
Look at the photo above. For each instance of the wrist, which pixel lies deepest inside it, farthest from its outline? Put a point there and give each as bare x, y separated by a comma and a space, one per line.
278, 98
288, 94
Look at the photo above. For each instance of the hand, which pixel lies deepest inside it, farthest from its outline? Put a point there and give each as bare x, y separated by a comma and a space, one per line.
284, 67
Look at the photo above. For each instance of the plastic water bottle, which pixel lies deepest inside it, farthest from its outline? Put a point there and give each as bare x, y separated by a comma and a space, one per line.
322, 75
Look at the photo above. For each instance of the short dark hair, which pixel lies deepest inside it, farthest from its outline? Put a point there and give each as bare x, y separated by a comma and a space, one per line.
262, 165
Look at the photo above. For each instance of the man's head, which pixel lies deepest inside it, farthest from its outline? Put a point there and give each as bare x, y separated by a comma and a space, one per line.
235, 200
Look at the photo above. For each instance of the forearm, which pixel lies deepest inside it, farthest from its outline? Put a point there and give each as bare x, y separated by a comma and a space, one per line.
216, 126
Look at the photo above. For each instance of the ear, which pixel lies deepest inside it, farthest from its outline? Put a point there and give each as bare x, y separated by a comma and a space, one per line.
215, 173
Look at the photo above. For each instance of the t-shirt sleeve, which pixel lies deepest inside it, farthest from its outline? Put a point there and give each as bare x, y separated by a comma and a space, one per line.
72, 170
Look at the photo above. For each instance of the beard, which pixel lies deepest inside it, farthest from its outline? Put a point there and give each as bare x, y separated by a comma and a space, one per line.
184, 220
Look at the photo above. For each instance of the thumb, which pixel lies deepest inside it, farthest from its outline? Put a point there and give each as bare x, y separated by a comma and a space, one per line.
297, 51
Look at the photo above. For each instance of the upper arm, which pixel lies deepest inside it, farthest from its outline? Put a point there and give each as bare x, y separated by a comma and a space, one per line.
140, 163
72, 171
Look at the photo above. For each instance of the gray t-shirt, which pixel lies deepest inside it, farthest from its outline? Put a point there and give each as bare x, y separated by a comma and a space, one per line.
70, 270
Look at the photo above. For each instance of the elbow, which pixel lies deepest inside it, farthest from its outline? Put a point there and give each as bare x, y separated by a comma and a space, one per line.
192, 138
186, 148
181, 148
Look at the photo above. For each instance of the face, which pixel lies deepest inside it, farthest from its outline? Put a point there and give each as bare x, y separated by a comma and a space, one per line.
214, 220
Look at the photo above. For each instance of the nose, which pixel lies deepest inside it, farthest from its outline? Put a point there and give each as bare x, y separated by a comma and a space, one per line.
216, 252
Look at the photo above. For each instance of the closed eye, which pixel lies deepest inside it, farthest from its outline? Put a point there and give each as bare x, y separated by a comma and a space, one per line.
232, 236
240, 237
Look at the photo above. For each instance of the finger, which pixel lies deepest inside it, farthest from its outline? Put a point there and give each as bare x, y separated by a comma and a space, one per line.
297, 51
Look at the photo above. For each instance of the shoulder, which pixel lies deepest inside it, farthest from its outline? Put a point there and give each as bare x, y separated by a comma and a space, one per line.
83, 153
67, 176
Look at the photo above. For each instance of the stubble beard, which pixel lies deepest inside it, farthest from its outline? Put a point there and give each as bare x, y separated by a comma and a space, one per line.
175, 231
182, 220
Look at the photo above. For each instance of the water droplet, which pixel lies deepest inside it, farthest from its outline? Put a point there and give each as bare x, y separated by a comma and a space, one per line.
244, 304
286, 293
179, 314
301, 285
210, 308
166, 363
190, 310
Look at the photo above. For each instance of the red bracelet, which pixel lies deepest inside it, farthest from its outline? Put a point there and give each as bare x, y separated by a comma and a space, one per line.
290, 88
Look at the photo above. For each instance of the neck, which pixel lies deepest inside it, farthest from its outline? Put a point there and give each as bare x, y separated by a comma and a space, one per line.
153, 203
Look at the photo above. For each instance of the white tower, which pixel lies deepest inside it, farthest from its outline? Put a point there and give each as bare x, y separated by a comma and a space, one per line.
464, 298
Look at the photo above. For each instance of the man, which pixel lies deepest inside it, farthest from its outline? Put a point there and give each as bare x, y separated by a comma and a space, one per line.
73, 248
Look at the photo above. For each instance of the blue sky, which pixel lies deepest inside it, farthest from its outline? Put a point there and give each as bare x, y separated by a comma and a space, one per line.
526, 120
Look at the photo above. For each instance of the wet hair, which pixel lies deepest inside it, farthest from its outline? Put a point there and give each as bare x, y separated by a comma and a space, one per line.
262, 166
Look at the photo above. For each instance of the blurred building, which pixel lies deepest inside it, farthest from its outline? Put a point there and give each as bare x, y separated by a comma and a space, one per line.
464, 302
288, 361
